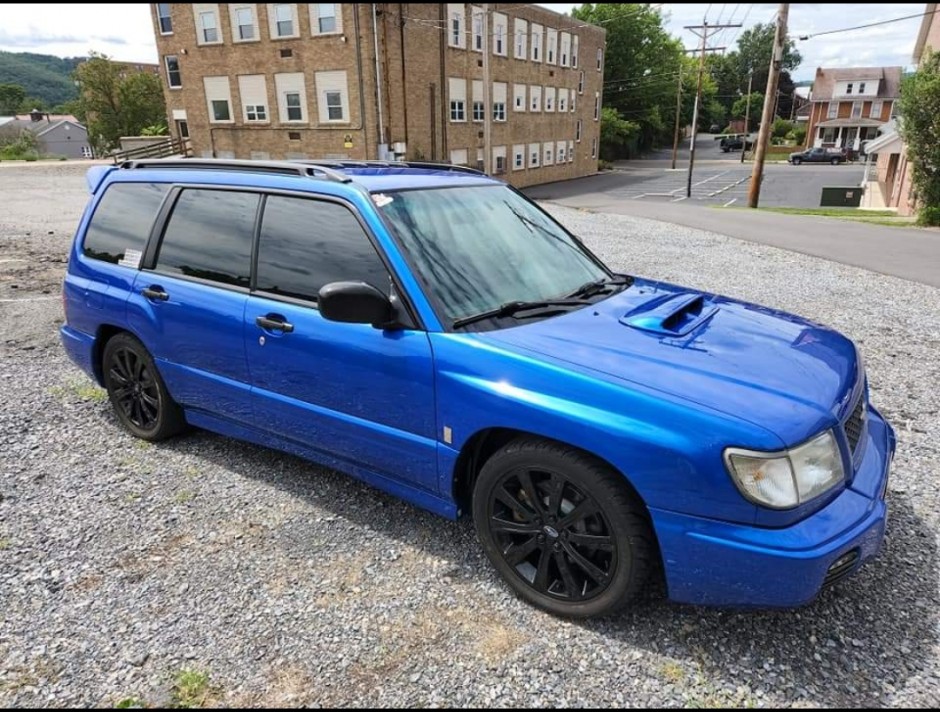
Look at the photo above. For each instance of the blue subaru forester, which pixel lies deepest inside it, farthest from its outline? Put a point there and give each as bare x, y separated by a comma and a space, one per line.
431, 331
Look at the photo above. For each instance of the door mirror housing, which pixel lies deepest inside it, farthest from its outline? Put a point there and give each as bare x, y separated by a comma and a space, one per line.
356, 303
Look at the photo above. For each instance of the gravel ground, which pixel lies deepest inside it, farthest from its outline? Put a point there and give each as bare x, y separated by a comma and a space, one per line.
123, 564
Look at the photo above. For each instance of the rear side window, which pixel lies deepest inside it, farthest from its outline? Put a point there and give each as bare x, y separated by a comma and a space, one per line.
122, 220
306, 244
209, 236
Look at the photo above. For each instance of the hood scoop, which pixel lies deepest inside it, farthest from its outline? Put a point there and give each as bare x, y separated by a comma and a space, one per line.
673, 315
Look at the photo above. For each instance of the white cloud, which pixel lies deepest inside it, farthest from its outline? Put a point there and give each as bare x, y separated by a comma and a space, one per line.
125, 32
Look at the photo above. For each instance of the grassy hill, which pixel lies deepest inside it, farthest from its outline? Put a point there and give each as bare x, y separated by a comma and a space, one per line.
41, 75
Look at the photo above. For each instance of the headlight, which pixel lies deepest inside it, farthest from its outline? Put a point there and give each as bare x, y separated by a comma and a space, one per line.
783, 480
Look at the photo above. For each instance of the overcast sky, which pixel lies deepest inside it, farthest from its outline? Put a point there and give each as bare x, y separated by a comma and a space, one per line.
124, 31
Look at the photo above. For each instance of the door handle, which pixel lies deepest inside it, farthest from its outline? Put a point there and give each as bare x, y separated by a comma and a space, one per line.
274, 323
156, 293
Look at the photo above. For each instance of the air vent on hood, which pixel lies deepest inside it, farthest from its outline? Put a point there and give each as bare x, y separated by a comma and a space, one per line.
676, 315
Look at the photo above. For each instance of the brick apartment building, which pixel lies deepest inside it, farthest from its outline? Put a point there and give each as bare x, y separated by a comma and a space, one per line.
302, 80
850, 105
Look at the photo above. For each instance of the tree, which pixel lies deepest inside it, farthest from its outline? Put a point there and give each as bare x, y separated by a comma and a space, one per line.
113, 103
755, 50
616, 134
919, 108
641, 67
11, 96
739, 109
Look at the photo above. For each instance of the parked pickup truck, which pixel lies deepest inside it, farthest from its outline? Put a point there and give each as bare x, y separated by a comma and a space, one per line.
818, 155
735, 143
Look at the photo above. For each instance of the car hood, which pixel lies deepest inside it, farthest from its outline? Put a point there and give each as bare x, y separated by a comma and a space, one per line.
775, 370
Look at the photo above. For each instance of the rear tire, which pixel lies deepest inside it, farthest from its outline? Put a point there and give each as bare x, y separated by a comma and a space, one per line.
137, 392
797, 161
562, 529
836, 161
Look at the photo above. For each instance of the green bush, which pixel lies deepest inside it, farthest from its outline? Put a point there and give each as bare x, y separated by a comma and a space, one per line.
929, 215
781, 127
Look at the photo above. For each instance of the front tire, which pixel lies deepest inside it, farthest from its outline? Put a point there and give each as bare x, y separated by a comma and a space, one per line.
562, 529
137, 392
835, 161
797, 161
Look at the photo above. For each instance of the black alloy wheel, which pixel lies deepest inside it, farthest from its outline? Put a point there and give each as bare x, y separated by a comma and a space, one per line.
137, 393
561, 529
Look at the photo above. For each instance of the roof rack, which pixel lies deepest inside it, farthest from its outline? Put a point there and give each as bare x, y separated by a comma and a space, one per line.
354, 163
306, 170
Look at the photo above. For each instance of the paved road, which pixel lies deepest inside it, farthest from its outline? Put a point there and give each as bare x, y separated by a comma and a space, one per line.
909, 253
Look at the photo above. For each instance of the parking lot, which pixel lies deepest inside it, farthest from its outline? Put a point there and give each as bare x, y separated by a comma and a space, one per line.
124, 564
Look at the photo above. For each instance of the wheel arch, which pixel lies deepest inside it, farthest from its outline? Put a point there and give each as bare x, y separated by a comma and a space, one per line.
105, 333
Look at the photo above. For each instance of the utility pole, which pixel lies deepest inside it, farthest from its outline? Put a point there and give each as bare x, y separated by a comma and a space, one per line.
675, 140
706, 29
773, 78
747, 113
487, 108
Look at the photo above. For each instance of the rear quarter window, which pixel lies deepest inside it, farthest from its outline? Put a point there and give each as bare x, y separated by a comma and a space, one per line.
122, 220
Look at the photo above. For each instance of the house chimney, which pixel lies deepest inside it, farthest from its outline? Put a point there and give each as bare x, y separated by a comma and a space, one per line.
35, 115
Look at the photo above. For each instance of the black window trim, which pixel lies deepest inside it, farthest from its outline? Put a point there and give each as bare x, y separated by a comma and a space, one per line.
155, 239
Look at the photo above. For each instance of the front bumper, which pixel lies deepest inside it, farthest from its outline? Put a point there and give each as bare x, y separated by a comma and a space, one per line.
716, 563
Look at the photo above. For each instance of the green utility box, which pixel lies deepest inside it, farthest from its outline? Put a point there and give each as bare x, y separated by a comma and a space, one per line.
847, 197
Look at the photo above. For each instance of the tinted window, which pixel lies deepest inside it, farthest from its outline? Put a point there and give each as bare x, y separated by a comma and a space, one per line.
209, 236
123, 220
307, 243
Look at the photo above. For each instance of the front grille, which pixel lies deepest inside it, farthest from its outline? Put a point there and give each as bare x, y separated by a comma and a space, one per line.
842, 567
855, 423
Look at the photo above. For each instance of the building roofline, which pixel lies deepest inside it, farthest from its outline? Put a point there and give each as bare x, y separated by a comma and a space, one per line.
925, 23
59, 123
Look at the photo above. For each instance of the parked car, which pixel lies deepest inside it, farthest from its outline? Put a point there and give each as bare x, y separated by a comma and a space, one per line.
714, 128
431, 331
818, 155
735, 143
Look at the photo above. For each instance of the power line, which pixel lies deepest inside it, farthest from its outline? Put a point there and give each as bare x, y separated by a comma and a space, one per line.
870, 24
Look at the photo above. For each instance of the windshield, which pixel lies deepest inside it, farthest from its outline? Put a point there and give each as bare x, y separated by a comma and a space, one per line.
479, 248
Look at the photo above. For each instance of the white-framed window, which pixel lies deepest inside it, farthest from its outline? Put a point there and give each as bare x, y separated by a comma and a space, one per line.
477, 14
833, 111
518, 97
479, 111
480, 165
218, 99
560, 152
535, 155
522, 36
571, 100
459, 157
570, 151
548, 150
578, 127
551, 46
564, 54
562, 100
174, 79
164, 19
848, 88
518, 157
536, 42
594, 147
500, 23
574, 53
877, 107
597, 105
580, 82
861, 87
326, 18
499, 101
457, 89
456, 32
291, 97
244, 23
857, 110
332, 96
549, 98
282, 18
87, 152
535, 98
253, 90
499, 160
600, 59
207, 24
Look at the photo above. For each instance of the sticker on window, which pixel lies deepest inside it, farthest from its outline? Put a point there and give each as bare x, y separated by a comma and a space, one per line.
131, 259
382, 200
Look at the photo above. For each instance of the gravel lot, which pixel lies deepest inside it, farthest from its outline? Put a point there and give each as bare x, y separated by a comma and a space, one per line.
122, 564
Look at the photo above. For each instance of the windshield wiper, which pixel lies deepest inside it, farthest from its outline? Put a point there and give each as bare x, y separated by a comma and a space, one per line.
511, 308
596, 286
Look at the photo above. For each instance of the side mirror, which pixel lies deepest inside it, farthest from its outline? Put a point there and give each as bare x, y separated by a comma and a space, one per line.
355, 303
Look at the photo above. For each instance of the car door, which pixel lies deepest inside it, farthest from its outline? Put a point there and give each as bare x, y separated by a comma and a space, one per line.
363, 398
188, 302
